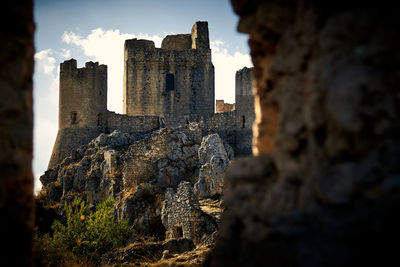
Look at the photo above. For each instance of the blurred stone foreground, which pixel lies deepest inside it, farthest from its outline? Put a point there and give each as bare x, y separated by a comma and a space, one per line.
323, 186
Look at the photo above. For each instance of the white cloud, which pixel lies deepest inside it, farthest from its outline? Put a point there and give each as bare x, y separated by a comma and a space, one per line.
66, 53
45, 80
37, 185
44, 61
226, 64
107, 47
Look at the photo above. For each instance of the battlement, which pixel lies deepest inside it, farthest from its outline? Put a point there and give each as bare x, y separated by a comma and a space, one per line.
83, 95
177, 42
68, 65
139, 44
244, 84
71, 66
95, 65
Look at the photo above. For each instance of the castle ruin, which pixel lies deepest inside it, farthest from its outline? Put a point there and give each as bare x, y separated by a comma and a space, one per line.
165, 86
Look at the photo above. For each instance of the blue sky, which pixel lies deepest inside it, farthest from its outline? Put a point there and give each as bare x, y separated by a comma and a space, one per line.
95, 30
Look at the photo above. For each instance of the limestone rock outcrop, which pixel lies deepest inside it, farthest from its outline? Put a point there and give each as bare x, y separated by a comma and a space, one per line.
136, 170
213, 159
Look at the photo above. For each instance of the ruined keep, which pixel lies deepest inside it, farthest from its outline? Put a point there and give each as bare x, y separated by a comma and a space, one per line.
165, 86
175, 81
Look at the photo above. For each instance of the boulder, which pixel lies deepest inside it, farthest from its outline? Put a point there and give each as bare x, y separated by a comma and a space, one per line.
214, 159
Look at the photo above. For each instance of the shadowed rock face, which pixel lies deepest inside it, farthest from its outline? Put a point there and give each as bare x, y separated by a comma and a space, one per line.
327, 116
16, 181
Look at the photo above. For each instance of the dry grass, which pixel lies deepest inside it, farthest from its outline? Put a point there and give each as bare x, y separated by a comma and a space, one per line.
195, 257
211, 207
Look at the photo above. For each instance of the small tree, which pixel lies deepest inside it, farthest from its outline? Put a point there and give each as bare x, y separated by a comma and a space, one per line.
87, 234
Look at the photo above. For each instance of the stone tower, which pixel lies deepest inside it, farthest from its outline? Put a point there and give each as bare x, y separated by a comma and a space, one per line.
82, 106
175, 81
244, 109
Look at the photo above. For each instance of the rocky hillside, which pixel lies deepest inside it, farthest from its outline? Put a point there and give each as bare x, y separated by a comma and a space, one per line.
157, 180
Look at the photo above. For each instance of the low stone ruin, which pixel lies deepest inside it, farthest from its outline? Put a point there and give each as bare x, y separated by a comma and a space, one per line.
182, 217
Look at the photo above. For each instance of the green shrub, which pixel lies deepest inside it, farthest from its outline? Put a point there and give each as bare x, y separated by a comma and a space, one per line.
85, 234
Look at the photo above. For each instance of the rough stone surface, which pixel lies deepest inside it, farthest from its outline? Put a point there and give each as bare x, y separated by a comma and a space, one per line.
166, 157
135, 170
182, 217
221, 106
327, 114
244, 110
183, 60
16, 180
214, 160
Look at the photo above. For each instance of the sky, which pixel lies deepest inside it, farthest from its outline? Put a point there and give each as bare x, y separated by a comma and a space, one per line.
95, 30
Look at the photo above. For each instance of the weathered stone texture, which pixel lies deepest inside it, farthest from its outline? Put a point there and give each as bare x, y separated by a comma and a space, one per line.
132, 124
82, 108
244, 110
327, 113
182, 217
16, 180
221, 106
132, 168
213, 159
191, 90
177, 42
168, 156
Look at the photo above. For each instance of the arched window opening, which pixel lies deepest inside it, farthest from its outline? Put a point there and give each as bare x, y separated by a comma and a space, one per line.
178, 232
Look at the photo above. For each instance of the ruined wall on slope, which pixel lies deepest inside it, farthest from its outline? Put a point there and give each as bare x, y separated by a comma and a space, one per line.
223, 124
16, 127
132, 124
221, 106
326, 100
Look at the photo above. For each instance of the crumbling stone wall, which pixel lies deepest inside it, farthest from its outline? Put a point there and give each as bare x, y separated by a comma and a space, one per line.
177, 42
182, 217
16, 180
221, 106
327, 116
132, 124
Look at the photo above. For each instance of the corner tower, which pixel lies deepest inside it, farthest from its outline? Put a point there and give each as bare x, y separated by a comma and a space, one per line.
83, 95
175, 81
82, 106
